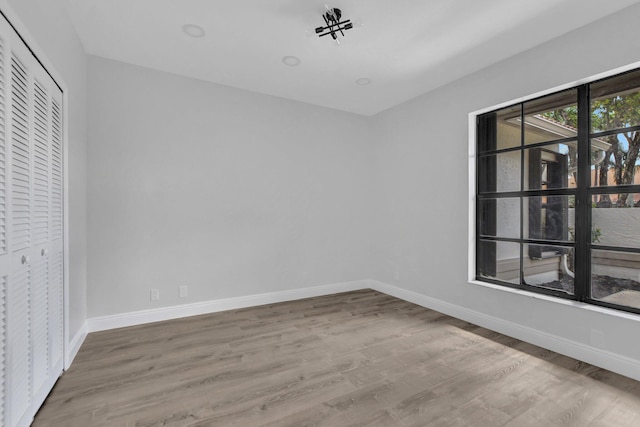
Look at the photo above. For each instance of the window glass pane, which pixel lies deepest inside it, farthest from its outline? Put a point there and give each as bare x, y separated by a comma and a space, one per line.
508, 127
615, 102
549, 218
500, 217
551, 267
551, 117
615, 277
551, 166
499, 260
614, 160
499, 129
499, 172
614, 222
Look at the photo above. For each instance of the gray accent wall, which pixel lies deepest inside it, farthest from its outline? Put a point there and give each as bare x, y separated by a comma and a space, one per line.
229, 192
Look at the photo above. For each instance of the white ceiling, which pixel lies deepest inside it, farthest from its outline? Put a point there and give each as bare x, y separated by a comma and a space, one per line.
406, 47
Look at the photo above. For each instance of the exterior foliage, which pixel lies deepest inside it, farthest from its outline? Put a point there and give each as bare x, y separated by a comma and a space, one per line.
616, 112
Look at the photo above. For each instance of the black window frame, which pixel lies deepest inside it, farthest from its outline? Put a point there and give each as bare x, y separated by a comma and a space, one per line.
486, 192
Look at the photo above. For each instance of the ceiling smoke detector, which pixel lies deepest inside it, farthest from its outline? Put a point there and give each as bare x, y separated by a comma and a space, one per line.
333, 24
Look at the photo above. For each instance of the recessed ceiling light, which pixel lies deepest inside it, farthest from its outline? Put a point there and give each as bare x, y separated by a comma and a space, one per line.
363, 81
193, 30
292, 61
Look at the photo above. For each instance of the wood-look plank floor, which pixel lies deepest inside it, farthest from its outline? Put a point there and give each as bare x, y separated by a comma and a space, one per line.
359, 358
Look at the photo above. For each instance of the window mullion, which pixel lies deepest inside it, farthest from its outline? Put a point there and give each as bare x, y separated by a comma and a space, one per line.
583, 201
522, 188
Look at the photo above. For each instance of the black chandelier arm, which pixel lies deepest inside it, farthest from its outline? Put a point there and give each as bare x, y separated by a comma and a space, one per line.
346, 27
321, 29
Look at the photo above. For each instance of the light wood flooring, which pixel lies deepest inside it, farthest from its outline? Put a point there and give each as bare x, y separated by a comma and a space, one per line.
359, 358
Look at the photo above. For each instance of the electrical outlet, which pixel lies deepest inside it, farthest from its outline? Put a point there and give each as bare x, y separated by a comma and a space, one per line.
155, 294
184, 292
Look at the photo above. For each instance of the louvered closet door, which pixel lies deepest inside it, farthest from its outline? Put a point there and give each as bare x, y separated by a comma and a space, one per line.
56, 245
5, 262
31, 248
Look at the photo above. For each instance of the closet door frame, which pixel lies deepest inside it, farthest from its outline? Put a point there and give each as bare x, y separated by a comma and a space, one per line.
70, 344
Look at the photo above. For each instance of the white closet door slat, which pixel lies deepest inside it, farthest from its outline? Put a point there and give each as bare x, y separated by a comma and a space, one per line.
3, 345
57, 254
20, 164
40, 165
4, 334
19, 342
3, 151
56, 308
56, 170
40, 323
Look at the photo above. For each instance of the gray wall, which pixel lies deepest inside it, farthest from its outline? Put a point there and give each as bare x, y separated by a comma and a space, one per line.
230, 192
422, 155
52, 32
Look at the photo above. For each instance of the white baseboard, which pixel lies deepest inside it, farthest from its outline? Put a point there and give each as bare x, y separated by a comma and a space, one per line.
166, 313
595, 356
75, 344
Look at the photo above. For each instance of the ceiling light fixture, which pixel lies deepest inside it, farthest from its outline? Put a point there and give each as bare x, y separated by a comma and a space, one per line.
334, 25
291, 61
363, 81
192, 30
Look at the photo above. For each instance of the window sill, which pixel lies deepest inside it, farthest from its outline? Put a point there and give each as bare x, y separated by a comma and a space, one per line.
564, 302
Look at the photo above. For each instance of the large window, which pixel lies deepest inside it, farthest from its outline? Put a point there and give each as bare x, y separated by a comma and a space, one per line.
558, 194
